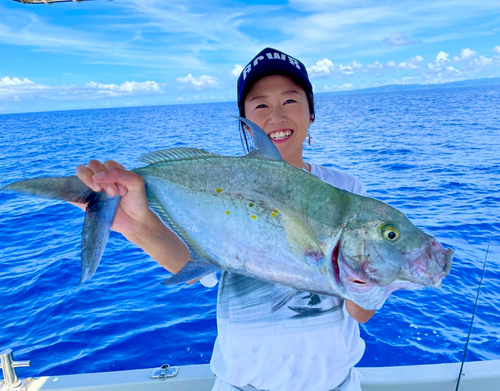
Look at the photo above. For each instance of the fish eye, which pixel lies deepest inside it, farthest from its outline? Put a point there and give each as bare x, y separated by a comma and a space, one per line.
389, 232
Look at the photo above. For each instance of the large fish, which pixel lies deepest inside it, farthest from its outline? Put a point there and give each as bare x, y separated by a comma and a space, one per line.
262, 217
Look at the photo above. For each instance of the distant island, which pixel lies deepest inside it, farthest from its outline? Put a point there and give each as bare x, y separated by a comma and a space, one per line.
491, 81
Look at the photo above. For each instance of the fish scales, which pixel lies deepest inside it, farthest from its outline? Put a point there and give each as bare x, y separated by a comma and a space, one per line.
252, 214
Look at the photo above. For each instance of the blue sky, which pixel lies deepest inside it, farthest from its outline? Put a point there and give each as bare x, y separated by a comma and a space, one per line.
143, 52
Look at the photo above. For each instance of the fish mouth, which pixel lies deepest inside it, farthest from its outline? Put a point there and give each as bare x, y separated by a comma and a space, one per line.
430, 264
280, 135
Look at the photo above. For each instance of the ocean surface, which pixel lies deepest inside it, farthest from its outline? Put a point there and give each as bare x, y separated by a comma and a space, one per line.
435, 155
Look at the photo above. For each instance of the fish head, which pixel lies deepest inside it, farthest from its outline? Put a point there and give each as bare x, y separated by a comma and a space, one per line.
380, 251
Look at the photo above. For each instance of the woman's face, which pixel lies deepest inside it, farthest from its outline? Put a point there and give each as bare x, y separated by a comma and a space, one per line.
279, 106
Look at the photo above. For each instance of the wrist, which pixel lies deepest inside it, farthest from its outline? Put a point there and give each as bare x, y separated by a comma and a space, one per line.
148, 226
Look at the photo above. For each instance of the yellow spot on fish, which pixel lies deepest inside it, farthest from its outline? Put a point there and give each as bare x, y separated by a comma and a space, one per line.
253, 217
218, 190
228, 212
275, 210
250, 204
273, 214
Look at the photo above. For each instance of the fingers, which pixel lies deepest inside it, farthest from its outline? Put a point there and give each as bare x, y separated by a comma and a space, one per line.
85, 174
116, 188
111, 177
116, 180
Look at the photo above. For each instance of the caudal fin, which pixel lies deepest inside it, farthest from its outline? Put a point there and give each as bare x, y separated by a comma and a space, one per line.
99, 215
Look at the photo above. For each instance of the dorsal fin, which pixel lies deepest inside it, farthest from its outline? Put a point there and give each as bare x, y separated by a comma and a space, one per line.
263, 146
173, 154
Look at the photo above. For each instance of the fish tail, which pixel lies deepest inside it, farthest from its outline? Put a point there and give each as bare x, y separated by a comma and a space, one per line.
68, 188
99, 215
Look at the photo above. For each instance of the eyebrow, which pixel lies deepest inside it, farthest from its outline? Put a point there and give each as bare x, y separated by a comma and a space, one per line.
283, 93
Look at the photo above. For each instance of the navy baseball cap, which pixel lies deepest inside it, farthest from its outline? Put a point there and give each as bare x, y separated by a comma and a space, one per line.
272, 62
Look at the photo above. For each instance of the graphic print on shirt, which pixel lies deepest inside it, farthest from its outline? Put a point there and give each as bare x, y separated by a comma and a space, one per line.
245, 300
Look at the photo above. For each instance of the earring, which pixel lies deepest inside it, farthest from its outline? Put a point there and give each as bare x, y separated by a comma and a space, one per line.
309, 136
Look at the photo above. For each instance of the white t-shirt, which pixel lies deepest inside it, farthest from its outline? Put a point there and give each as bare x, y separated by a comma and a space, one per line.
307, 345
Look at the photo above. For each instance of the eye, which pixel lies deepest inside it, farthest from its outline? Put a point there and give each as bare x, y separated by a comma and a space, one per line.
389, 232
290, 101
261, 106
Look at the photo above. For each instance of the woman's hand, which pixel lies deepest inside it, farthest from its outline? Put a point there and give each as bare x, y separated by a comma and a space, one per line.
133, 213
134, 219
359, 314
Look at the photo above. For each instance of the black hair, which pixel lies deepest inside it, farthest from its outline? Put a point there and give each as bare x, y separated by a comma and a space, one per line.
241, 108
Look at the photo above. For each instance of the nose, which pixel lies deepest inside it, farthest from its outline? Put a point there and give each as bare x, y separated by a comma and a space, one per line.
277, 115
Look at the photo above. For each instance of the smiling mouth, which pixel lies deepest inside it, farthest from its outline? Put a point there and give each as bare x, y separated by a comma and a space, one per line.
280, 135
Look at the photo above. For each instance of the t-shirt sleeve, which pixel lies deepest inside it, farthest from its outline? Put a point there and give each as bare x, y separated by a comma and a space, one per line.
339, 179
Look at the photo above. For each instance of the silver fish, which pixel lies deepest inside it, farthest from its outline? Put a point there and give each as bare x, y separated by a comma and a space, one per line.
264, 218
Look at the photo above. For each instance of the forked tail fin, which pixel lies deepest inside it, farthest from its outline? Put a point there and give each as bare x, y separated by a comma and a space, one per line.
99, 215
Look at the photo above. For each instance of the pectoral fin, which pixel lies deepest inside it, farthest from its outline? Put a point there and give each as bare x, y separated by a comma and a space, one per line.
191, 271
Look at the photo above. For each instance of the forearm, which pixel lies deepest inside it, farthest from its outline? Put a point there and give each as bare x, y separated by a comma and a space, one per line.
359, 314
159, 242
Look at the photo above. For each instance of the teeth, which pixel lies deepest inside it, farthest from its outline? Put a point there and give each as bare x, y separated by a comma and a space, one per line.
280, 135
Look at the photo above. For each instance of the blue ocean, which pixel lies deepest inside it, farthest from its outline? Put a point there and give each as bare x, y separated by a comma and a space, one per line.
434, 155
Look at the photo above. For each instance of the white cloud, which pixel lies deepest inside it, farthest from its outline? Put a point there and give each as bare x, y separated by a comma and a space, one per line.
203, 82
397, 39
405, 80
357, 65
465, 54
235, 73
346, 70
442, 57
496, 50
7, 81
322, 68
391, 64
325, 68
16, 89
482, 62
375, 65
440, 62
127, 88
414, 63
451, 69
343, 87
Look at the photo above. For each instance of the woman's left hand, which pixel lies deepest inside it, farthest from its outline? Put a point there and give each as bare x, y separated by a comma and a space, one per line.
357, 313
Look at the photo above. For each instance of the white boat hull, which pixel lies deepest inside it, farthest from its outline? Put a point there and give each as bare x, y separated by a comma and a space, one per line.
476, 376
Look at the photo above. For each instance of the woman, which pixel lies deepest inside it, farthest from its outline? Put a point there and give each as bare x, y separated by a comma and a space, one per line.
313, 342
